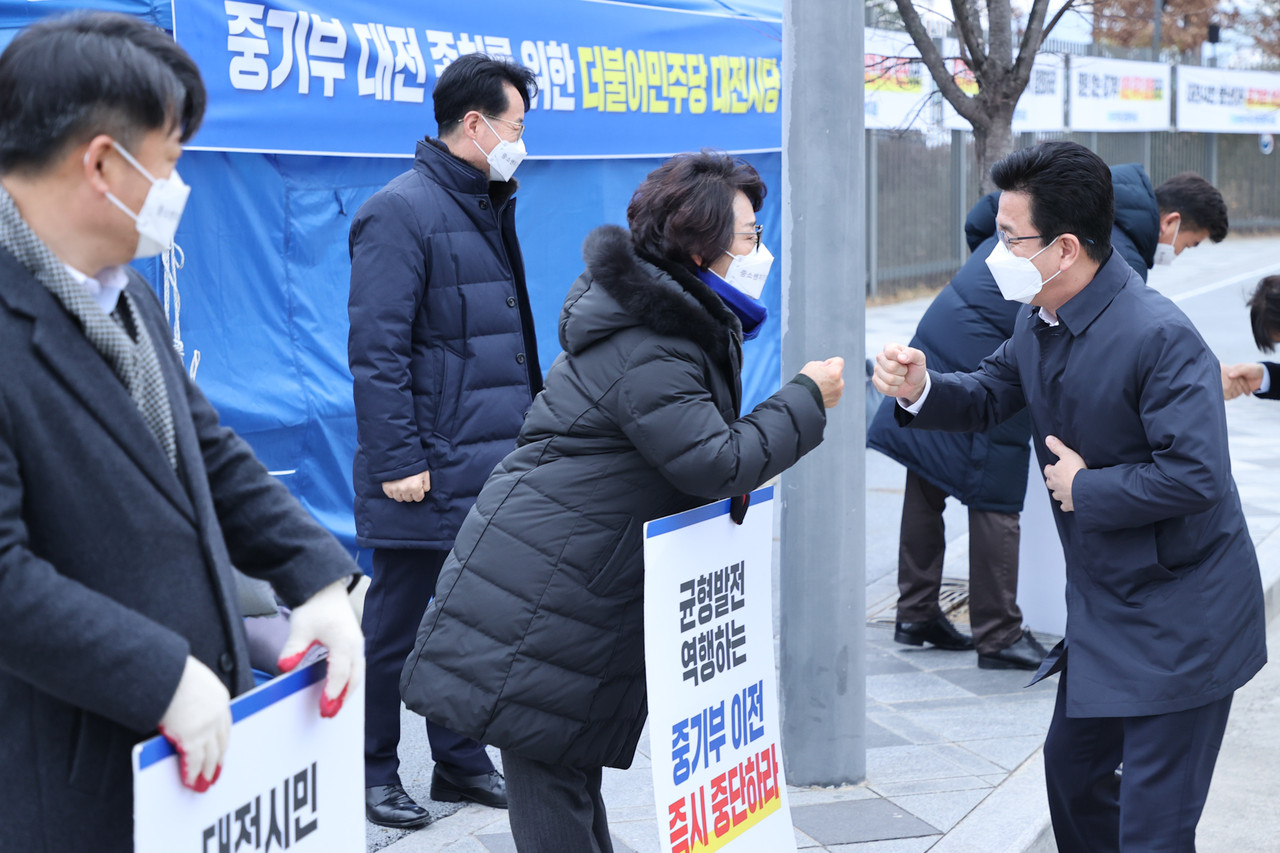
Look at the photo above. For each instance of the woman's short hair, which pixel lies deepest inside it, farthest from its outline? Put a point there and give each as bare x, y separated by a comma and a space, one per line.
685, 206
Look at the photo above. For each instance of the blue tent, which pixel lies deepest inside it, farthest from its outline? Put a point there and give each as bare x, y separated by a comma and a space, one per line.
264, 285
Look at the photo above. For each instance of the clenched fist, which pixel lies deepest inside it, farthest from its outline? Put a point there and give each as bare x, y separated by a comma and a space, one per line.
900, 372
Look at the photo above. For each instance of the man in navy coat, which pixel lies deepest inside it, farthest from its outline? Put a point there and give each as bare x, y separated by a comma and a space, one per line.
123, 502
445, 367
1164, 601
987, 471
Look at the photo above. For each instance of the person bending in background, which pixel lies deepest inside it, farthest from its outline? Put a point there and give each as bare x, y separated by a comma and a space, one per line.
1260, 378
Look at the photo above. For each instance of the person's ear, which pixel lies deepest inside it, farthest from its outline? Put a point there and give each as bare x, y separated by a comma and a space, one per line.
471, 124
98, 165
1167, 223
1072, 249
697, 259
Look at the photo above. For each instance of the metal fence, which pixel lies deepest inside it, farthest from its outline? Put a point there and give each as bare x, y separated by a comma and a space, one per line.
920, 188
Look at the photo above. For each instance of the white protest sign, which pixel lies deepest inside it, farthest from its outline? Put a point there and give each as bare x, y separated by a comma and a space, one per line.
895, 88
713, 698
1119, 94
1217, 100
291, 780
1041, 106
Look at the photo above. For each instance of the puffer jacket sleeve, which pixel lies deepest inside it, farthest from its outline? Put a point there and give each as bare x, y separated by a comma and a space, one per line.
388, 263
666, 410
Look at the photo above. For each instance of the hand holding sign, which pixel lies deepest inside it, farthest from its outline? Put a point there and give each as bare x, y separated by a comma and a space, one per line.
327, 619
198, 724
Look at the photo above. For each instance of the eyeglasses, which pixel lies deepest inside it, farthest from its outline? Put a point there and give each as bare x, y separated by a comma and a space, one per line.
518, 125
754, 232
1008, 241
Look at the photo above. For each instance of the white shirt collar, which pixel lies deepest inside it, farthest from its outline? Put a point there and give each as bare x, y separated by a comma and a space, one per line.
106, 288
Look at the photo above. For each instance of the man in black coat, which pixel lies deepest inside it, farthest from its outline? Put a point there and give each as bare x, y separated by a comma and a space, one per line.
1165, 617
1261, 378
445, 365
987, 471
123, 503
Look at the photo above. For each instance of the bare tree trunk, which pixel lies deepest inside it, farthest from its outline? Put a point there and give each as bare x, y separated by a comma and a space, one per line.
991, 143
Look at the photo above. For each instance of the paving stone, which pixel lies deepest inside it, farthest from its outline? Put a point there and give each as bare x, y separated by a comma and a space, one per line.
902, 763
858, 820
991, 682
897, 845
942, 810
878, 736
912, 687
504, 843
1008, 752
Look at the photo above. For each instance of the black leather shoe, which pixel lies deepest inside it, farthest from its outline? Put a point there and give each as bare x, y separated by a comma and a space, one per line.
938, 631
389, 805
1023, 653
487, 789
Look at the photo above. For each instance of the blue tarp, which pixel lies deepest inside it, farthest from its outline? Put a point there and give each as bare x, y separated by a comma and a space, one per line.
265, 283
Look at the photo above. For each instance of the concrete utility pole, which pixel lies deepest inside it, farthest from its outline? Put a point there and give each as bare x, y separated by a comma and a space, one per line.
823, 572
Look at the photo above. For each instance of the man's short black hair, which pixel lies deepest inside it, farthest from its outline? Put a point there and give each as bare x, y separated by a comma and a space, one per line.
685, 206
1264, 313
65, 79
1201, 205
1070, 190
475, 81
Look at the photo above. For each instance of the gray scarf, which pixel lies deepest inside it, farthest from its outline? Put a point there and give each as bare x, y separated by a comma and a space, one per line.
121, 337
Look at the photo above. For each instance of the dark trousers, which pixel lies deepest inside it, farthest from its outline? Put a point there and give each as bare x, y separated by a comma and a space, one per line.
993, 566
1155, 805
403, 583
554, 809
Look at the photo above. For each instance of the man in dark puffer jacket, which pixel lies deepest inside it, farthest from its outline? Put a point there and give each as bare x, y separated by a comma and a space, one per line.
987, 471
445, 367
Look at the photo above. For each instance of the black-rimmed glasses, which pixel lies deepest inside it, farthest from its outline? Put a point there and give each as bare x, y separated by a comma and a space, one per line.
1008, 242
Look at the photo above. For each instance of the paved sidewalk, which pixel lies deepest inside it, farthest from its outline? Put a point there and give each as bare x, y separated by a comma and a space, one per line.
953, 752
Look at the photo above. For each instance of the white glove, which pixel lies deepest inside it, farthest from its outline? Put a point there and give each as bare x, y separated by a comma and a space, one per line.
327, 619
198, 724
357, 594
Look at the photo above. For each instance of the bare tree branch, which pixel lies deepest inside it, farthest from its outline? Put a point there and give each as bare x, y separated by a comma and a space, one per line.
970, 30
1031, 40
1058, 17
932, 58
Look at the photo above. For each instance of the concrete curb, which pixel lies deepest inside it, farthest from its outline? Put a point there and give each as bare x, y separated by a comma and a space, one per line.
1016, 810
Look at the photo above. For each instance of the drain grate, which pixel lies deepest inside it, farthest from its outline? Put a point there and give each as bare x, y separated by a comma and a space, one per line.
953, 597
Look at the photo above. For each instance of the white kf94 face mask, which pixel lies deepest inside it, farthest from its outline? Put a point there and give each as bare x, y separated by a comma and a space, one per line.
505, 157
157, 221
1017, 278
748, 272
1165, 253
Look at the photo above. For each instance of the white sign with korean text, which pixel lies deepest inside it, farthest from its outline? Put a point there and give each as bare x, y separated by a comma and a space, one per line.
1119, 95
1217, 100
896, 85
1041, 106
291, 780
713, 699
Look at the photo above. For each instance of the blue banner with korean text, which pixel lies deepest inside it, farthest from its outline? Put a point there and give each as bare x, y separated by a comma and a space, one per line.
353, 77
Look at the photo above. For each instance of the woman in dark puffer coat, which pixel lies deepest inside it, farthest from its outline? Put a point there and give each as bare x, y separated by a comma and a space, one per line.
534, 642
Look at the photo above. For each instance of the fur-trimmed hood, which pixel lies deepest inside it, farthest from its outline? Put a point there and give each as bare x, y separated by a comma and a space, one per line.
620, 289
